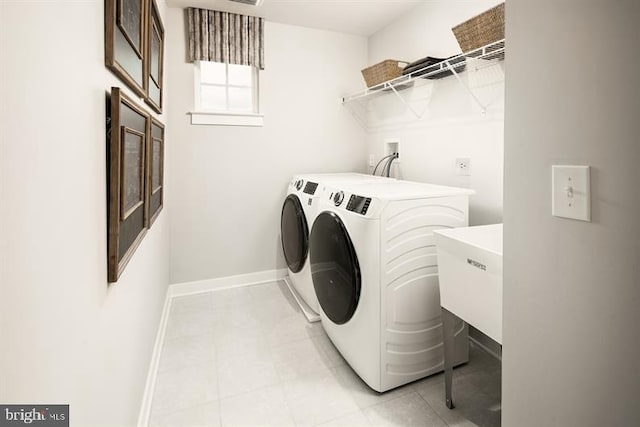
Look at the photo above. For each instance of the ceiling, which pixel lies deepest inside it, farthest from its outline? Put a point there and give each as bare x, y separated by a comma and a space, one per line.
361, 17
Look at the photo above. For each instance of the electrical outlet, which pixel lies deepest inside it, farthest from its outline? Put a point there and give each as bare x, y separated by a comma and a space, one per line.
372, 160
463, 166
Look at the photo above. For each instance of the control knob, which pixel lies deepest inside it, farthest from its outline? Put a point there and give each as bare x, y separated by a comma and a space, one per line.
299, 184
337, 198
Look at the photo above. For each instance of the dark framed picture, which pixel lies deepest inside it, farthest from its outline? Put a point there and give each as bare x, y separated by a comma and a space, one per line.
132, 161
155, 58
127, 180
130, 22
126, 42
155, 177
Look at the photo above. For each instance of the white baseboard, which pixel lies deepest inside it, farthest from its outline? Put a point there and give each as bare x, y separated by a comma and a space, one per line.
190, 288
145, 407
486, 348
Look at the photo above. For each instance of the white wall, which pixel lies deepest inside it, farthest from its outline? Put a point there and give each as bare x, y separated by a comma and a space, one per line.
67, 336
572, 288
451, 125
233, 180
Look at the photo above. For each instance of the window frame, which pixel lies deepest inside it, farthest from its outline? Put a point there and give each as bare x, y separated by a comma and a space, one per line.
227, 117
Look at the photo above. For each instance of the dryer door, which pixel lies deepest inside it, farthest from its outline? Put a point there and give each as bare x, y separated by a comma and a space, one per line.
294, 233
334, 268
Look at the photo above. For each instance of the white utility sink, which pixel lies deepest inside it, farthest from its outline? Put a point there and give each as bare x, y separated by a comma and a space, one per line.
470, 270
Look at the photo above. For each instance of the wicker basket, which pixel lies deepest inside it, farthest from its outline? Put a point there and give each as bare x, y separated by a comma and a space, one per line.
486, 28
383, 71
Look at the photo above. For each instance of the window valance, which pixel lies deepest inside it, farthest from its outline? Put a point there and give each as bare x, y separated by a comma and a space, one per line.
225, 37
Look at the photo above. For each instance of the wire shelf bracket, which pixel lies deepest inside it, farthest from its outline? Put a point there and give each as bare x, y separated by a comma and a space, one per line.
482, 106
406, 104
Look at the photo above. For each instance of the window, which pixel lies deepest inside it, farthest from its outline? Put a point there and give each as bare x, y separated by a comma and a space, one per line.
225, 93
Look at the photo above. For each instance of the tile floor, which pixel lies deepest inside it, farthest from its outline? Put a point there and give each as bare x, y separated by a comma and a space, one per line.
248, 357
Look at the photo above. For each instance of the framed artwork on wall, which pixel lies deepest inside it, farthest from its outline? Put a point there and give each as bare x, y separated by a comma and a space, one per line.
127, 180
132, 167
155, 176
155, 58
126, 42
130, 21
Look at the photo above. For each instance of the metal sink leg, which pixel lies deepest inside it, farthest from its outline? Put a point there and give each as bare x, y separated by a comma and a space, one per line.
448, 320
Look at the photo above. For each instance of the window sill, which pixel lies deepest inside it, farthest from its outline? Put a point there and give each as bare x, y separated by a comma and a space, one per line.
226, 119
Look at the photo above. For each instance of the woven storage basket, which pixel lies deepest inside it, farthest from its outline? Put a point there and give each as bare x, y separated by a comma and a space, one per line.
383, 71
486, 28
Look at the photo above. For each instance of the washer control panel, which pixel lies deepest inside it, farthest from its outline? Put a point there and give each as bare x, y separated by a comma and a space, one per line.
358, 204
310, 188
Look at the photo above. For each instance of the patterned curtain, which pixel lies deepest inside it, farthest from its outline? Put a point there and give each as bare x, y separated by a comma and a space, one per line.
225, 37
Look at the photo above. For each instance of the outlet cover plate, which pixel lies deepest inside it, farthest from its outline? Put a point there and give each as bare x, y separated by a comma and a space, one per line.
392, 145
571, 192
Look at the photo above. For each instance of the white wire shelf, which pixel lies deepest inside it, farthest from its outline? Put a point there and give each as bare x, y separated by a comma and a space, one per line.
489, 54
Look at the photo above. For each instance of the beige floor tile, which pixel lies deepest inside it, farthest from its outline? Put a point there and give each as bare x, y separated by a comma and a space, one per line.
180, 325
272, 291
247, 356
236, 325
235, 298
362, 394
299, 358
264, 407
328, 351
472, 406
192, 304
408, 410
185, 387
207, 415
318, 398
240, 372
291, 329
185, 351
356, 419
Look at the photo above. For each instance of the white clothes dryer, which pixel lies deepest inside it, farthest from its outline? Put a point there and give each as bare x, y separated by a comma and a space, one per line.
298, 212
374, 269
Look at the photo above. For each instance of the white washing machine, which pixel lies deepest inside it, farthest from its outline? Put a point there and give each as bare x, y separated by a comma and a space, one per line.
374, 269
298, 212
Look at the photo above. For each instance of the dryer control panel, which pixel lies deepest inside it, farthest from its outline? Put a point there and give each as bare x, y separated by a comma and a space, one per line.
358, 204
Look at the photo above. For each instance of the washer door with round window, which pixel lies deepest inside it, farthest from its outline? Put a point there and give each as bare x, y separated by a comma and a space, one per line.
334, 268
294, 233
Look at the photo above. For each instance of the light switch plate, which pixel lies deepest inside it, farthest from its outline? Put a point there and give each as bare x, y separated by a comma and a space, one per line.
571, 192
